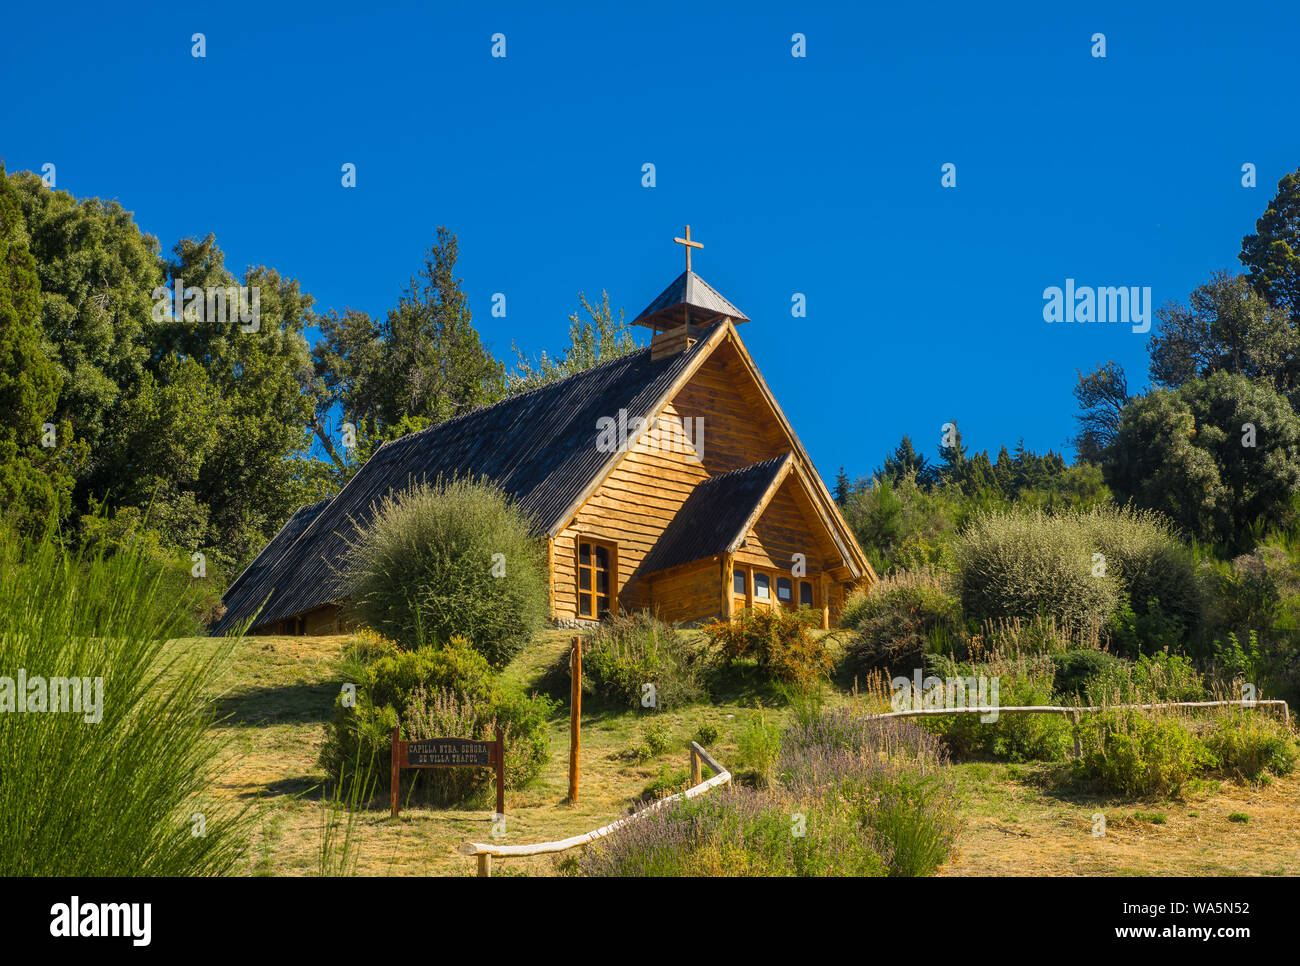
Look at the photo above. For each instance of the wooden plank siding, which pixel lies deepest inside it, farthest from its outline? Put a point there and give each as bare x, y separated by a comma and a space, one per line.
647, 488
632, 508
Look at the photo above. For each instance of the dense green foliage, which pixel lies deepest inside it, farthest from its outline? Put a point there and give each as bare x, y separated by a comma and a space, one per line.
448, 558
1217, 455
898, 621
35, 484
431, 692
778, 641
1133, 754
630, 651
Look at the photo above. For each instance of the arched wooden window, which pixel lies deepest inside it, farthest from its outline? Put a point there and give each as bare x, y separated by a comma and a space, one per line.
805, 593
762, 587
738, 582
785, 591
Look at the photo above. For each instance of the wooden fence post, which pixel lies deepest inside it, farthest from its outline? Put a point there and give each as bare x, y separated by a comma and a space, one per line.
484, 865
575, 716
695, 768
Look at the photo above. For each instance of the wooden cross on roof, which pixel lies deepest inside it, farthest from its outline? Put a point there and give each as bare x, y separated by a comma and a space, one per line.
689, 245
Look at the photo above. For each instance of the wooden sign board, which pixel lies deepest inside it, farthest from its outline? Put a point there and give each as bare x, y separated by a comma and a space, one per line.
450, 753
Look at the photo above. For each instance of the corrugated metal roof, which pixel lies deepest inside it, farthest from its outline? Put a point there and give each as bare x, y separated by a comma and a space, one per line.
689, 290
539, 446
715, 517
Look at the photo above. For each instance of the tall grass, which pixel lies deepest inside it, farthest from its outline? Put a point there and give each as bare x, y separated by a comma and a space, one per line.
339, 839
129, 793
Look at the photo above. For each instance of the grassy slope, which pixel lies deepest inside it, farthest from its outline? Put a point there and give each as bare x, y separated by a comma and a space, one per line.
281, 690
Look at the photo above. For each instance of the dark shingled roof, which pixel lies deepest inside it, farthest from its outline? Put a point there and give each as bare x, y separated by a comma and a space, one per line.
715, 517
539, 446
291, 531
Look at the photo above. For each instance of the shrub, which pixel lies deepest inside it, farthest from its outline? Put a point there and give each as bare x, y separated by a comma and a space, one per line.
1250, 745
855, 606
779, 640
113, 795
1151, 563
1138, 755
1036, 636
737, 832
447, 714
366, 646
669, 781
706, 735
1153, 630
630, 651
757, 746
867, 799
1076, 669
1011, 737
450, 558
1026, 563
445, 692
197, 603
657, 738
890, 775
1023, 563
898, 621
1152, 678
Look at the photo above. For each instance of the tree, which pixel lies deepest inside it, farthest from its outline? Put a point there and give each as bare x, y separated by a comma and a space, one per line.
1102, 396
906, 461
952, 455
438, 367
593, 340
1218, 456
1226, 327
841, 487
97, 272
424, 360
35, 484
1272, 254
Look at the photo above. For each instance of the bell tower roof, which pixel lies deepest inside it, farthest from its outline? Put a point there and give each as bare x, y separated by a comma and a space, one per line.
688, 300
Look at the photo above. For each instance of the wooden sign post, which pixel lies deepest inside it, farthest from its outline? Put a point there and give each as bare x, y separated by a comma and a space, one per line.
575, 716
451, 753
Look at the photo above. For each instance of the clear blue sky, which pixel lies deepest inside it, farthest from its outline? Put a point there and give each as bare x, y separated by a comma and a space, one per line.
818, 175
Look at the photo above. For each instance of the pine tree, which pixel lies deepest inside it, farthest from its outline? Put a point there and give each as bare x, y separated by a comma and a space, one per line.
952, 457
905, 461
841, 486
1273, 254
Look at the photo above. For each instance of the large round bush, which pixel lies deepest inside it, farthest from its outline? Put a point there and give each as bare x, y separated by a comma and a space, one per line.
1078, 567
450, 558
1027, 563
